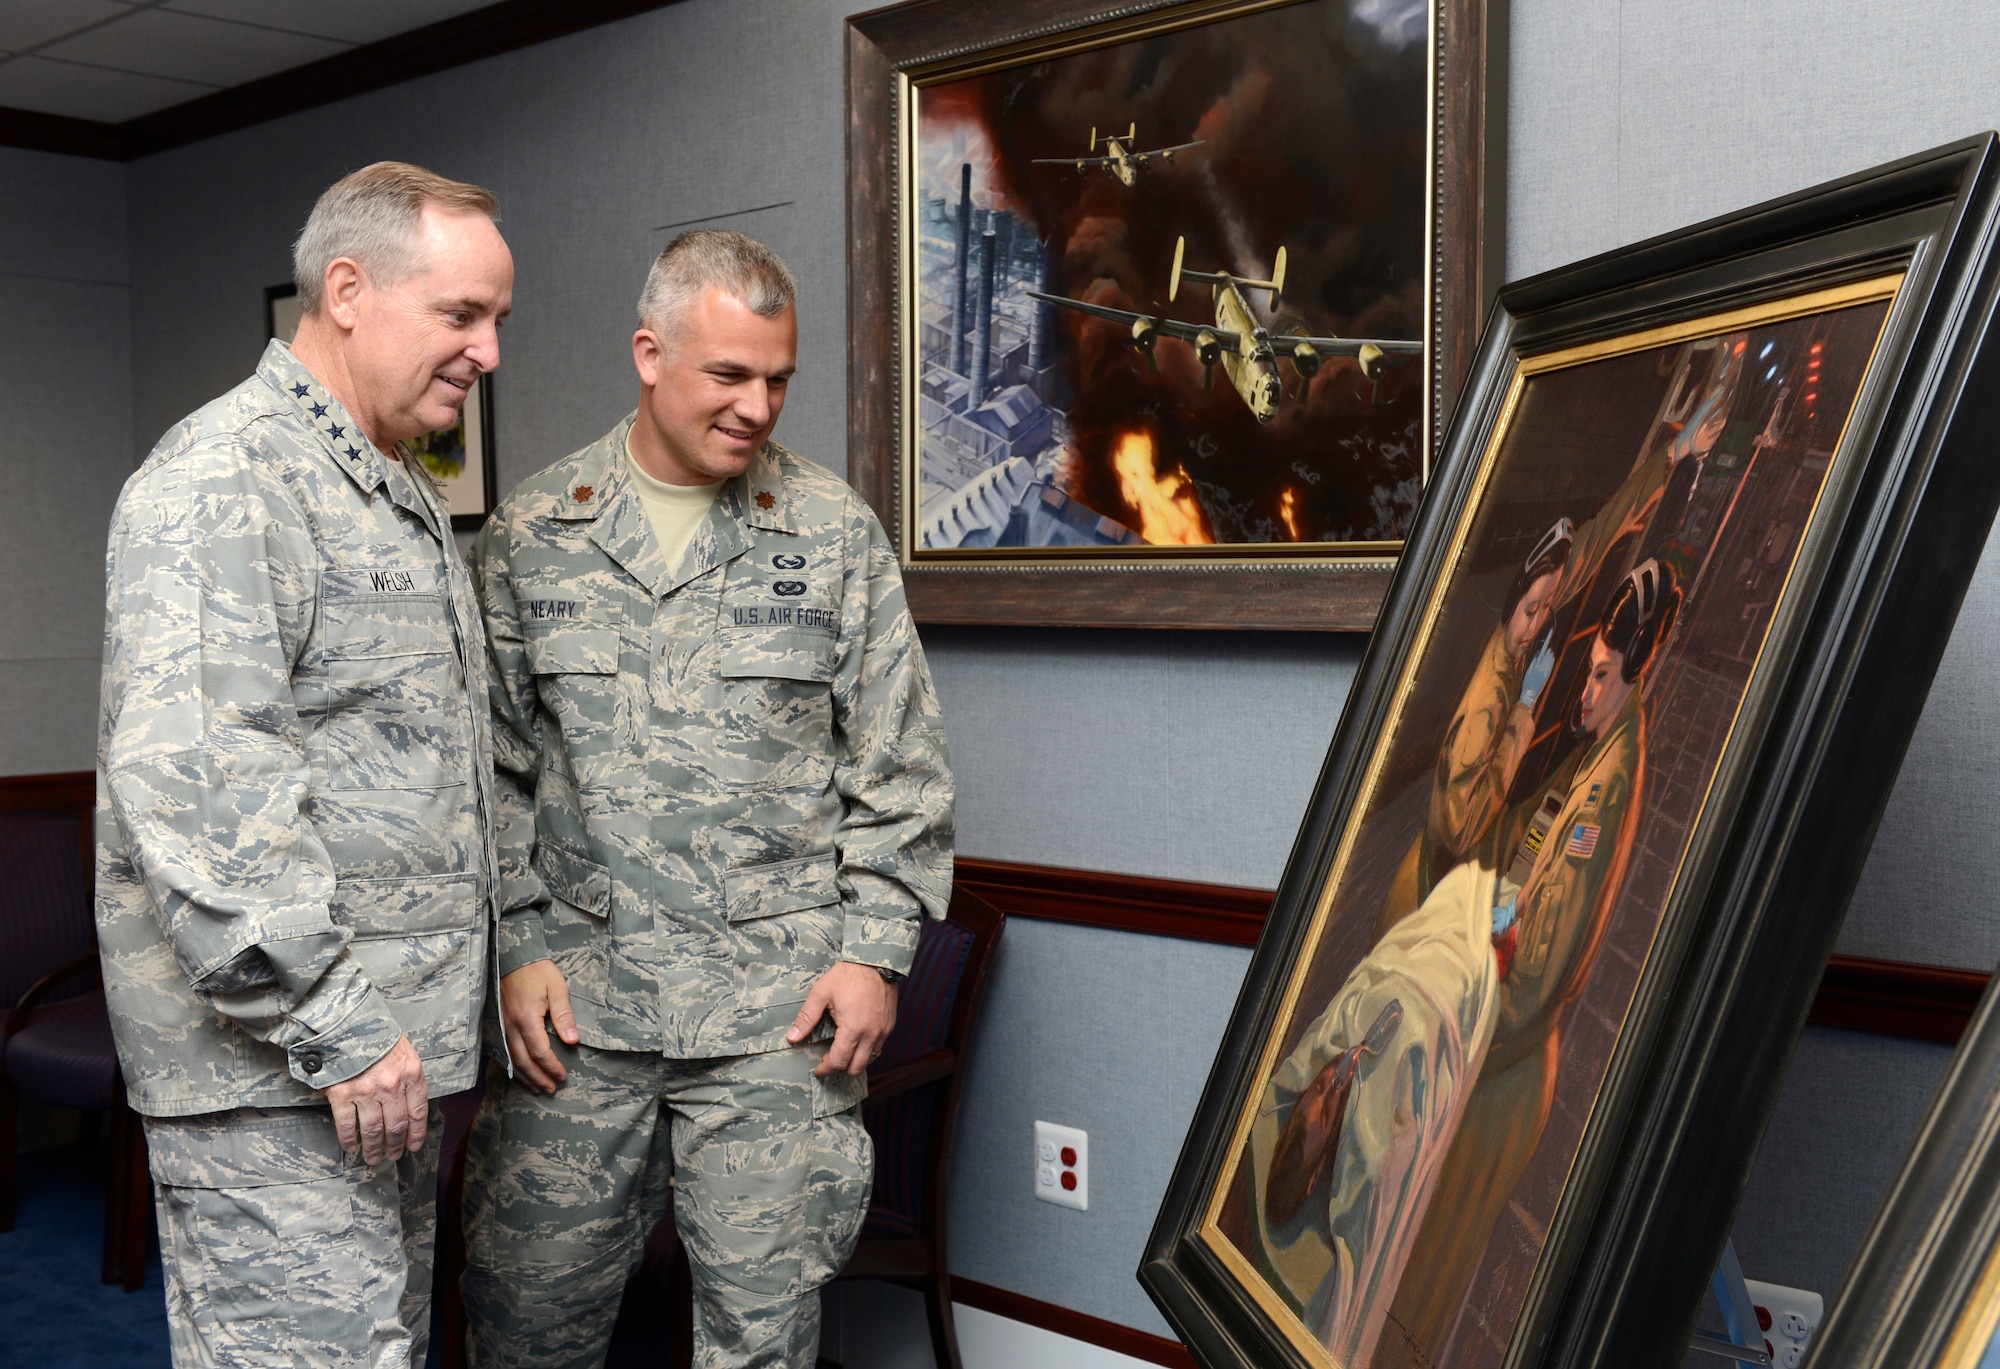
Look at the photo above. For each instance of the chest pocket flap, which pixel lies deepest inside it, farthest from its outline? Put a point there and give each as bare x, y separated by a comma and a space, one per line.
793, 654
573, 651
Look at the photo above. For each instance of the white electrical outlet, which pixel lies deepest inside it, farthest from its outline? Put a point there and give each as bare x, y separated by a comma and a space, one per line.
1788, 1316
1062, 1166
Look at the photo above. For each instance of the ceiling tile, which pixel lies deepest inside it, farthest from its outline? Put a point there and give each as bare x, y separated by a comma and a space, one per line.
191, 48
24, 23
353, 21
88, 92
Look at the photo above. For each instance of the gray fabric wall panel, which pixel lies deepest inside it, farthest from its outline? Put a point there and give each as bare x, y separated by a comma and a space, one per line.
50, 721
62, 218
1193, 754
1846, 1113
591, 142
65, 444
1109, 1032
1632, 117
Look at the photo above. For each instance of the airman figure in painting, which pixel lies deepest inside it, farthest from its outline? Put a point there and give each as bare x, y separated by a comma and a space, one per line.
725, 808
1394, 1133
294, 837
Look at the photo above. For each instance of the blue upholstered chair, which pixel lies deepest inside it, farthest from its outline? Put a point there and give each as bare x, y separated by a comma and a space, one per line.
914, 1088
55, 1041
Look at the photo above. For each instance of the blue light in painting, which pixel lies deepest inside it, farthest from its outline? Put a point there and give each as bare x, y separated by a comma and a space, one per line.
1768, 374
1767, 350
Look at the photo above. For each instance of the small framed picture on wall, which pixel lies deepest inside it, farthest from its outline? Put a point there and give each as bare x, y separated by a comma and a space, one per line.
459, 458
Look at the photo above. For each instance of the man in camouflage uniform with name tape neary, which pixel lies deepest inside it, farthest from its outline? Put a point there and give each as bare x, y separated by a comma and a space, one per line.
724, 810
294, 832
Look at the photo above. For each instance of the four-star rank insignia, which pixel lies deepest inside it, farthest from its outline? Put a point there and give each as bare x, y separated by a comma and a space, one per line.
581, 494
766, 500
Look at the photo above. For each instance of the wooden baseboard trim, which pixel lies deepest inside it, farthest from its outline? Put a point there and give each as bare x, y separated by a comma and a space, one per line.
1892, 998
1887, 997
1225, 913
1125, 1340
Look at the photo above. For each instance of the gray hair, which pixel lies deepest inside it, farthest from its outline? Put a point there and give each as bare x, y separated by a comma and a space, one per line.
693, 262
371, 217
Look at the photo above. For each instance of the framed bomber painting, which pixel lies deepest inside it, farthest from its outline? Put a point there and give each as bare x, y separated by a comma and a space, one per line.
1602, 789
1159, 307
459, 458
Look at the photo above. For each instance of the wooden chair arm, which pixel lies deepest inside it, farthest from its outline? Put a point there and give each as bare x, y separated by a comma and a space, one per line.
925, 1069
39, 990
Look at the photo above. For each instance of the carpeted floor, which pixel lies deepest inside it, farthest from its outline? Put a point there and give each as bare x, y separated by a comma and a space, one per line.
54, 1314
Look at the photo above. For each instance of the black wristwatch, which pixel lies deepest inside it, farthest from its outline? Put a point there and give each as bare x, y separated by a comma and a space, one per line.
889, 976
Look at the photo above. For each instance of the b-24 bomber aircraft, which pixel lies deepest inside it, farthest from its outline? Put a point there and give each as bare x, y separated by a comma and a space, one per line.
1248, 351
1120, 160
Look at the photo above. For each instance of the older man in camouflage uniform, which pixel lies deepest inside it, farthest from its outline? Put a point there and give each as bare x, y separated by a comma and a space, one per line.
294, 838
725, 808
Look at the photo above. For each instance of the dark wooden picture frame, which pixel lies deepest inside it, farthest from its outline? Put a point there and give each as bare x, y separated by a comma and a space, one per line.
478, 484
1300, 591
1923, 1290
1724, 977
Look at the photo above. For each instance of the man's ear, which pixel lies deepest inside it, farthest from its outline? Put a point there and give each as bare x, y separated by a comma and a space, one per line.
340, 292
648, 356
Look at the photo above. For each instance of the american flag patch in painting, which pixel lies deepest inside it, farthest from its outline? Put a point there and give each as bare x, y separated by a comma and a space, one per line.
1582, 840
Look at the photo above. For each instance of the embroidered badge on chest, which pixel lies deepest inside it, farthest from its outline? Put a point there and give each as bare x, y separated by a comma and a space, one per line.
788, 589
784, 561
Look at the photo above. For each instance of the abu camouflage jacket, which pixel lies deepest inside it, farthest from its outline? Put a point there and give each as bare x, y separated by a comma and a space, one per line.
294, 854
715, 779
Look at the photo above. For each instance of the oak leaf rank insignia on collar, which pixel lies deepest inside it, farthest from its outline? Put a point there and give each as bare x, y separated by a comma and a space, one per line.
766, 500
581, 494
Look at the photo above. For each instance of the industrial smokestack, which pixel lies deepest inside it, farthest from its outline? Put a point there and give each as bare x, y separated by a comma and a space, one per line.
982, 327
1003, 225
1043, 319
958, 300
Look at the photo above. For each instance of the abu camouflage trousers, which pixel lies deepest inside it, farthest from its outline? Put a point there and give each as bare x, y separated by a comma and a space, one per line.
767, 1170
280, 1251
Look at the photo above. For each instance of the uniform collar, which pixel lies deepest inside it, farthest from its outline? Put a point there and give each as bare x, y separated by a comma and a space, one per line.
326, 416
601, 493
760, 496
343, 440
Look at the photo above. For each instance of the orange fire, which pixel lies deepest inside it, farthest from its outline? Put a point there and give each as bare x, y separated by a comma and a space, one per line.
1169, 513
1288, 511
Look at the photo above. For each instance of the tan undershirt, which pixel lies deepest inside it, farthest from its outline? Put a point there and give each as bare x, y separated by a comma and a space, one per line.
675, 511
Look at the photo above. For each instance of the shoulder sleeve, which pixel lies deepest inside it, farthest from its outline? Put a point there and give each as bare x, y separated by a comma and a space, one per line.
211, 588
892, 768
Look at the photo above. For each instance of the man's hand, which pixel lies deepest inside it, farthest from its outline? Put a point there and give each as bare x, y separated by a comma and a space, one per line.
384, 1111
863, 1005
531, 995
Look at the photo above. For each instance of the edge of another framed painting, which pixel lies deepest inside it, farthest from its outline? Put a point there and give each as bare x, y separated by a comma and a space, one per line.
1923, 1288
1228, 585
